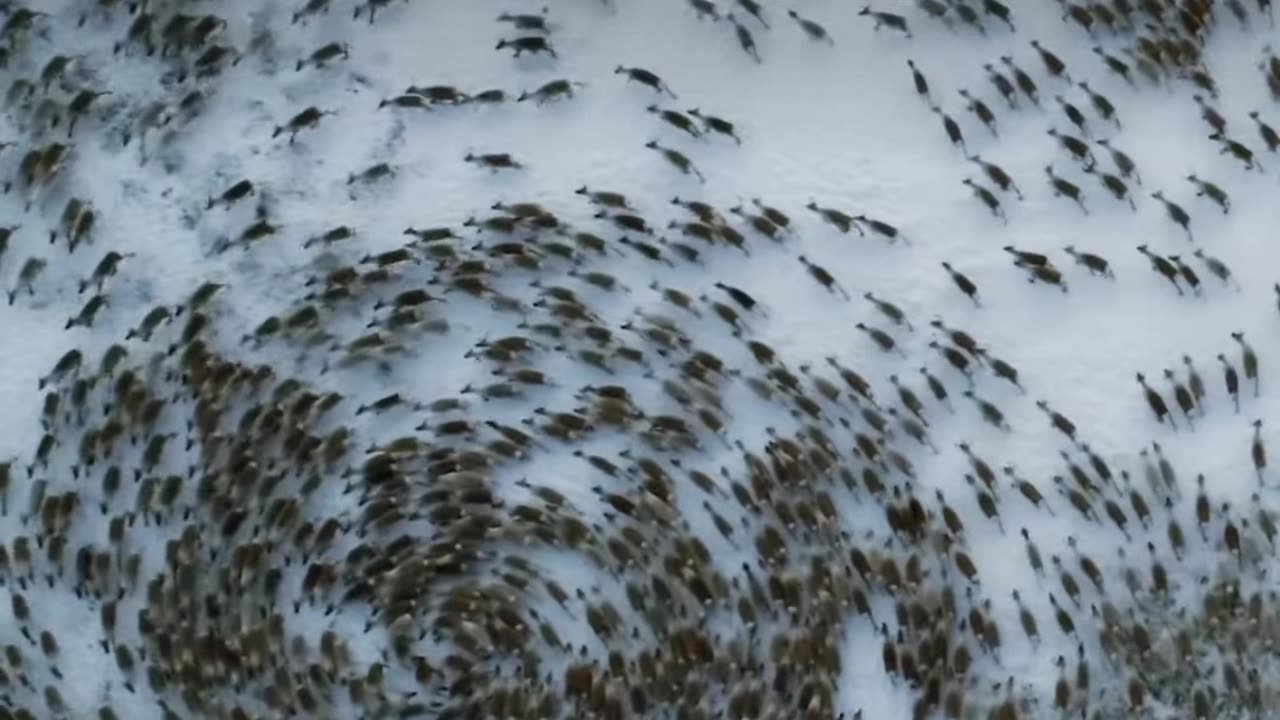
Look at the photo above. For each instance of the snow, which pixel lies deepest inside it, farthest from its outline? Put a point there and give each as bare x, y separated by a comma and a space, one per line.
840, 126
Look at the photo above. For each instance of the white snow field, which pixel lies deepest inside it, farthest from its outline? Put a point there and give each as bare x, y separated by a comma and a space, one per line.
578, 498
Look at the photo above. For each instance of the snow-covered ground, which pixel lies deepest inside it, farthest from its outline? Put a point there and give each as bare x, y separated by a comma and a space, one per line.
470, 586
